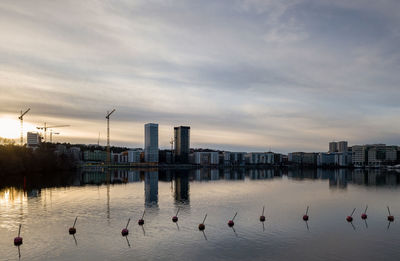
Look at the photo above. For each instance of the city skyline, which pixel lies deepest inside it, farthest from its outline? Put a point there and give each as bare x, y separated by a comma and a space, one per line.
245, 75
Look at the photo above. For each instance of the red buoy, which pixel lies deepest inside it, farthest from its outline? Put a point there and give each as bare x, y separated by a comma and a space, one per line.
305, 217
201, 225
72, 230
390, 218
262, 217
230, 222
18, 239
364, 215
125, 231
141, 221
350, 218
175, 218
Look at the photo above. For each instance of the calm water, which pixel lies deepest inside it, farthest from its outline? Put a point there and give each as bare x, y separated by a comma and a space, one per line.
103, 210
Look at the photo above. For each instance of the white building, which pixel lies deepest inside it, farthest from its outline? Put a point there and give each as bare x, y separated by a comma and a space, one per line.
234, 158
134, 156
359, 157
206, 158
325, 159
33, 139
151, 142
343, 159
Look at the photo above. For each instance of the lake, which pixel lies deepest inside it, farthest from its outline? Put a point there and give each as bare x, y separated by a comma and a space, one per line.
103, 202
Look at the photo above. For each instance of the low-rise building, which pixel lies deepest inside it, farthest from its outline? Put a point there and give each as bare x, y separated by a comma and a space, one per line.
206, 158
95, 155
234, 158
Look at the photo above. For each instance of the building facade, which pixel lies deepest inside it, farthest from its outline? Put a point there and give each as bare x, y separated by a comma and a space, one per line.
33, 139
151, 142
182, 143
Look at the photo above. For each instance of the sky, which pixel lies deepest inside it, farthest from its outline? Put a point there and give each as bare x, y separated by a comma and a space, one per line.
246, 75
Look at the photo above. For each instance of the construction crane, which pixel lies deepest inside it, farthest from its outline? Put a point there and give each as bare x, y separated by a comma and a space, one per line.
22, 125
53, 133
45, 127
108, 136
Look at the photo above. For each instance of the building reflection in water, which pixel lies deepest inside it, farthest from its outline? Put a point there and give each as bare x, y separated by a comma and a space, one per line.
151, 188
181, 187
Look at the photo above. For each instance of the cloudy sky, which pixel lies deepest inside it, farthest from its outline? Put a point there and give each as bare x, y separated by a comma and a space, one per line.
247, 75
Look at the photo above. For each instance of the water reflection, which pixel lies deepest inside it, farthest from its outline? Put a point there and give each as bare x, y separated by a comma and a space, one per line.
151, 188
180, 181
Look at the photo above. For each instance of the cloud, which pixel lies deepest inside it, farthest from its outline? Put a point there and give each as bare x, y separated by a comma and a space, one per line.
291, 75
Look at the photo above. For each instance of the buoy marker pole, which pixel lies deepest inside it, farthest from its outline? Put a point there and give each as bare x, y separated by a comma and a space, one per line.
263, 211
388, 210
234, 216
127, 224
352, 212
204, 220
307, 210
365, 211
177, 212
75, 222
19, 230
144, 211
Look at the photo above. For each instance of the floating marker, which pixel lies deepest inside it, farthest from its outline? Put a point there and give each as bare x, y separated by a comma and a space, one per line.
72, 230
141, 221
230, 222
201, 225
305, 217
18, 239
125, 231
364, 215
175, 218
350, 218
262, 217
390, 218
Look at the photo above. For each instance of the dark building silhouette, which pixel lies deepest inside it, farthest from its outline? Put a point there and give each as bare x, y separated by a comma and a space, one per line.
182, 143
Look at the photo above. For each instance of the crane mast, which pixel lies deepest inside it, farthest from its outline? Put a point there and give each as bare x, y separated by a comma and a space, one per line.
22, 125
108, 136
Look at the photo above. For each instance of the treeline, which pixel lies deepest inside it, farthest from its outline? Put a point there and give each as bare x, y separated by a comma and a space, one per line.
18, 161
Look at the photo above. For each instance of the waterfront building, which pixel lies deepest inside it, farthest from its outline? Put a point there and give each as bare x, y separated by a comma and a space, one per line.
376, 155
343, 159
182, 143
303, 158
33, 139
206, 158
333, 147
359, 155
391, 154
95, 155
325, 159
234, 158
342, 146
134, 156
151, 142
